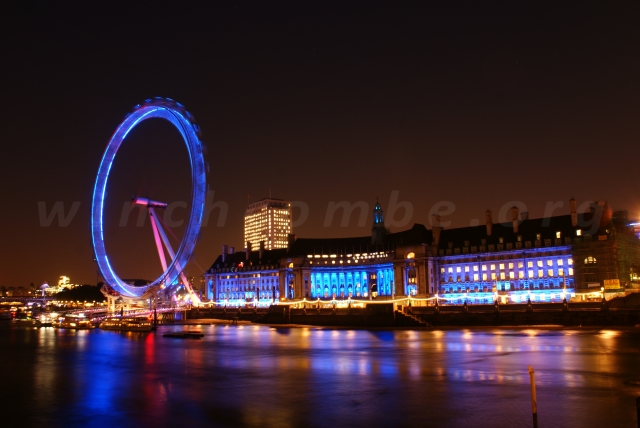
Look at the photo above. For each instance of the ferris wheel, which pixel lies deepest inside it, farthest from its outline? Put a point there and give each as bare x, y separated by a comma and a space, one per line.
174, 112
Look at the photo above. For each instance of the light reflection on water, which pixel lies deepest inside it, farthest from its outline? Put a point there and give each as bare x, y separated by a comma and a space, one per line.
263, 376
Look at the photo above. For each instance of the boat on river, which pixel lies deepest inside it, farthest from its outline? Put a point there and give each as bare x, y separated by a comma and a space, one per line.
44, 320
74, 322
140, 323
184, 335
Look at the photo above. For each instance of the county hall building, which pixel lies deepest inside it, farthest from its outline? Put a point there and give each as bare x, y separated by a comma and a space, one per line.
574, 256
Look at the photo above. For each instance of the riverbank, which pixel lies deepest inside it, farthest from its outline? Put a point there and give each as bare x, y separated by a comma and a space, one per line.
388, 316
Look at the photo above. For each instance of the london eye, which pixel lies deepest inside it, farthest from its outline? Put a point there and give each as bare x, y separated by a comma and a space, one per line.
173, 269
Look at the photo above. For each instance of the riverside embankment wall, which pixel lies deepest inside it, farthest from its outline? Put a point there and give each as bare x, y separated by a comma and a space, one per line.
617, 312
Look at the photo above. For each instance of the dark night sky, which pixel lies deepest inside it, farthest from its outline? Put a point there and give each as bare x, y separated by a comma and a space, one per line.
473, 104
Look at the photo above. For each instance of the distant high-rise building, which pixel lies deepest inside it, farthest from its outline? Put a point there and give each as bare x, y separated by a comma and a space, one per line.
268, 220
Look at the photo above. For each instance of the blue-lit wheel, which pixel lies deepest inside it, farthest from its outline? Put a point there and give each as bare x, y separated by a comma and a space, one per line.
176, 114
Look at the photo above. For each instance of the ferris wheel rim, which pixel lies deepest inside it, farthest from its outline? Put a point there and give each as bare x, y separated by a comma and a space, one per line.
176, 114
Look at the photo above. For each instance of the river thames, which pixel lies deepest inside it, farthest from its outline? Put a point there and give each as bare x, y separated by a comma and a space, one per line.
260, 376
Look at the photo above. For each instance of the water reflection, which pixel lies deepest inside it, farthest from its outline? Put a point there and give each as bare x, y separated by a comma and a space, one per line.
260, 376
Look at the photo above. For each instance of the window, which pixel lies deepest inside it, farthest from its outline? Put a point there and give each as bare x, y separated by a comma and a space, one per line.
441, 270
529, 264
537, 236
510, 265
539, 263
520, 265
570, 262
578, 232
501, 240
570, 271
531, 274
512, 275
549, 262
560, 262
450, 270
550, 272
475, 268
558, 235
493, 276
501, 266
493, 267
560, 272
466, 268
521, 275
502, 276
590, 261
540, 273
458, 270
484, 267
475, 276
484, 276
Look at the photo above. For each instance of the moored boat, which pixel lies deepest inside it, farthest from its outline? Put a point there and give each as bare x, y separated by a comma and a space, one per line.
184, 335
74, 322
127, 324
44, 320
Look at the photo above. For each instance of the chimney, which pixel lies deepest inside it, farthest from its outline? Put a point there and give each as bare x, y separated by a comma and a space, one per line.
436, 234
248, 250
514, 219
574, 213
224, 253
524, 216
261, 249
232, 250
291, 238
489, 221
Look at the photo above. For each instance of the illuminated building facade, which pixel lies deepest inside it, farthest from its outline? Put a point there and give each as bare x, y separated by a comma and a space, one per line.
576, 256
237, 278
525, 259
382, 265
365, 267
268, 221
